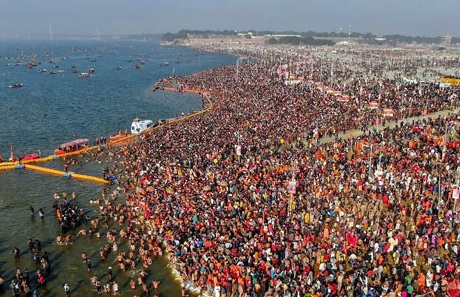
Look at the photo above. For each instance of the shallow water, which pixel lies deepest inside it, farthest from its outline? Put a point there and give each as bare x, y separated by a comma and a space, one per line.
53, 108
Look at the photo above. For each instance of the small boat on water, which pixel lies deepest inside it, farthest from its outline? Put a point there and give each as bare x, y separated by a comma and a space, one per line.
139, 126
30, 157
164, 64
72, 146
16, 85
32, 63
117, 137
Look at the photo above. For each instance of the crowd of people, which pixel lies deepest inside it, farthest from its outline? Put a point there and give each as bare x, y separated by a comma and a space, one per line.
270, 193
69, 215
21, 284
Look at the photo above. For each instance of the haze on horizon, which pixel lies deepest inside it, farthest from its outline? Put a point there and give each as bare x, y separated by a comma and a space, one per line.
29, 19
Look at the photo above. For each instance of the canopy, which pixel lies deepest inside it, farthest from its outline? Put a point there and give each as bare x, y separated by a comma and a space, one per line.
81, 140
388, 112
337, 93
373, 105
75, 142
344, 98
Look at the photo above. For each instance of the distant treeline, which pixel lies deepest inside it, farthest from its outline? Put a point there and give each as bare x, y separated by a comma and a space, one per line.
311, 37
183, 34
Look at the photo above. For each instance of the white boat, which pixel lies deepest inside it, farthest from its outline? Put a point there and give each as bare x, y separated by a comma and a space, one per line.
139, 126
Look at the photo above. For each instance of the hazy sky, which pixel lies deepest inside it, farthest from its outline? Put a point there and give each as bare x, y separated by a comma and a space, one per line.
21, 18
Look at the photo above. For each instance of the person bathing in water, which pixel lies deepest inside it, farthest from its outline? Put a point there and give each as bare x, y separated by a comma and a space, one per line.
41, 213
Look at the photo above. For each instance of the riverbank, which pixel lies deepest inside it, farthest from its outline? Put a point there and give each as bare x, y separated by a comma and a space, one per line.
66, 105
252, 186
266, 193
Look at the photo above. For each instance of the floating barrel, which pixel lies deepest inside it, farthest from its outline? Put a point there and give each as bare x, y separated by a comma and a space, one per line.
67, 175
19, 166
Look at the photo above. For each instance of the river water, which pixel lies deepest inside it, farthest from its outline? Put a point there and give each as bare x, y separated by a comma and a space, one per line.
51, 109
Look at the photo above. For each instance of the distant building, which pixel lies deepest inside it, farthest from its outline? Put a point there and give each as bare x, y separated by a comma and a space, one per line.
284, 35
446, 40
245, 35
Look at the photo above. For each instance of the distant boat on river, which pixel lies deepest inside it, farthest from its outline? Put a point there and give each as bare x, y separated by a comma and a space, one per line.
16, 85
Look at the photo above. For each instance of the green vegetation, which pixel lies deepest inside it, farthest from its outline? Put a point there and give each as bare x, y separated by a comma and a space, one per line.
183, 34
311, 37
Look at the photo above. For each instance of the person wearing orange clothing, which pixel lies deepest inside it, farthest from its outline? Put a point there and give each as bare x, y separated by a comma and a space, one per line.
421, 282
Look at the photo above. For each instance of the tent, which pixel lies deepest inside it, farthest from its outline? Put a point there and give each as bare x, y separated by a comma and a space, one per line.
388, 112
372, 105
